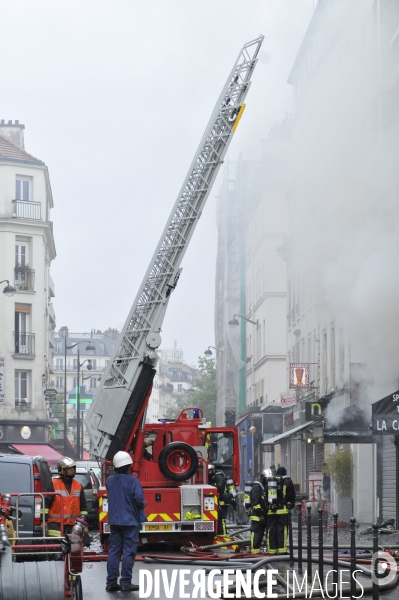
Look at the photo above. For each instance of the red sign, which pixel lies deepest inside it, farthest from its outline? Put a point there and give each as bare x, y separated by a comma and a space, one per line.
299, 375
287, 400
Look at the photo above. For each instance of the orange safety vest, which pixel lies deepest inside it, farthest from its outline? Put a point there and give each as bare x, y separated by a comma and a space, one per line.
71, 502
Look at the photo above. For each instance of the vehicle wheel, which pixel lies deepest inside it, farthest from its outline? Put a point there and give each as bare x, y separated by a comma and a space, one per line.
77, 589
178, 461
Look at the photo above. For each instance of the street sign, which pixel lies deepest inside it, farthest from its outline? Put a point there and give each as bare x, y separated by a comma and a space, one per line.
50, 393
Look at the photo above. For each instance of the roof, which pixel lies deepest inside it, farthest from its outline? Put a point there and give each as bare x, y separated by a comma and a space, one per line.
10, 152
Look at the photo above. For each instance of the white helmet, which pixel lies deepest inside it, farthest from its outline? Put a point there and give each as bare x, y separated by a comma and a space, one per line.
121, 459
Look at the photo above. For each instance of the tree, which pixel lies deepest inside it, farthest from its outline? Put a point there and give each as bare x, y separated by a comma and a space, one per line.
339, 466
204, 394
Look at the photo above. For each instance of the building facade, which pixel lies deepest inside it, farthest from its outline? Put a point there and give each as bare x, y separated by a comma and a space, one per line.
27, 319
65, 379
343, 221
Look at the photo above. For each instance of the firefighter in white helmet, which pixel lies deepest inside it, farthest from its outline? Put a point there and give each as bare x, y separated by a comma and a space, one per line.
125, 500
72, 497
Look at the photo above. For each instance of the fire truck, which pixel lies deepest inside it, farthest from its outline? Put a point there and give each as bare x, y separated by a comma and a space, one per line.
181, 505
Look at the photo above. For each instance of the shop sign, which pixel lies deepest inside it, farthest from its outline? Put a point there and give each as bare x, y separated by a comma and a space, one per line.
315, 411
385, 415
273, 423
287, 400
299, 375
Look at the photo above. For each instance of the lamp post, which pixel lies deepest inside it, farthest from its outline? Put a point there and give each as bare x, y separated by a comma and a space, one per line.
90, 350
208, 352
234, 323
9, 290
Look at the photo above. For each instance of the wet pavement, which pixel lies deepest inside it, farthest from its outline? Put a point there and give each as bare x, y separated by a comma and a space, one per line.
94, 573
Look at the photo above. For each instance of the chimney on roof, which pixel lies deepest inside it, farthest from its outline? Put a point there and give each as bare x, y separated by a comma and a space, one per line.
13, 132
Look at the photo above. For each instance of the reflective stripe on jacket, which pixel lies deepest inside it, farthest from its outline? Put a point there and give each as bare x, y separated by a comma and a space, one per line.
71, 502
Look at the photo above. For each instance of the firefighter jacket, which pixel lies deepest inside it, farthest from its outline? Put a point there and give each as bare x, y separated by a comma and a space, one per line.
125, 499
219, 480
285, 493
73, 500
258, 502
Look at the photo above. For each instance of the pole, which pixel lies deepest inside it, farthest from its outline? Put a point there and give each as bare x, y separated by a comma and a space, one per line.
78, 410
65, 402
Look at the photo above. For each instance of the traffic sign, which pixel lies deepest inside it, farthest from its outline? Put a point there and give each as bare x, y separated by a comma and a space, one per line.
50, 393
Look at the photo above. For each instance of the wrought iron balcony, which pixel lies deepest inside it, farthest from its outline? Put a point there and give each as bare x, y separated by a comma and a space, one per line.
25, 344
24, 279
27, 210
22, 404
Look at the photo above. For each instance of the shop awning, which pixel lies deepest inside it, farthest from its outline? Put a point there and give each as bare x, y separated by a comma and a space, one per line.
277, 438
350, 425
51, 455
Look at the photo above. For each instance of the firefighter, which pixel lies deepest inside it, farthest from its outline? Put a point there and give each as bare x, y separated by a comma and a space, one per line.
219, 480
72, 497
125, 501
257, 513
280, 491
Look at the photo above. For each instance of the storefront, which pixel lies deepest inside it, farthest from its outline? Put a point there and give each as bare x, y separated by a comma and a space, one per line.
385, 428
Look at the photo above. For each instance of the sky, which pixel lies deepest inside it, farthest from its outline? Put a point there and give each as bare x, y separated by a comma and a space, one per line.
115, 97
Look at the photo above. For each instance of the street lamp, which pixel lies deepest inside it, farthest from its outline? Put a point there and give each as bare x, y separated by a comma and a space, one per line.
90, 349
209, 352
234, 323
9, 290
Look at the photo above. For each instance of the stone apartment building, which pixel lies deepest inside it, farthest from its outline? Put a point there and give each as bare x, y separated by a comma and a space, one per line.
27, 318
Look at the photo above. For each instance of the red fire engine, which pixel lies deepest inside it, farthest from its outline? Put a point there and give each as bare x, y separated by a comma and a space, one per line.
179, 499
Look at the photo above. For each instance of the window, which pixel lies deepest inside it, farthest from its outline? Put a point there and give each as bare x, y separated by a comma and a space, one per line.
21, 388
59, 364
93, 364
21, 254
179, 387
75, 382
93, 382
23, 187
75, 363
23, 341
58, 347
59, 383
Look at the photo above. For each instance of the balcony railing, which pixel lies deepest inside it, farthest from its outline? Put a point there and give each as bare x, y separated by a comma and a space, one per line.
26, 210
22, 404
24, 279
25, 344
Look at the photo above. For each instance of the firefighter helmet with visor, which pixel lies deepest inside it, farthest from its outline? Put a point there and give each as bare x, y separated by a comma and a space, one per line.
65, 463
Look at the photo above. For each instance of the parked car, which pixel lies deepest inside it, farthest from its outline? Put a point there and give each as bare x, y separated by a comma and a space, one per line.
90, 464
90, 483
22, 474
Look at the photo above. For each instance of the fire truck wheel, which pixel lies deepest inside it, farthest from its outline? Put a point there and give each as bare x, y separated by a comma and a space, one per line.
178, 461
77, 589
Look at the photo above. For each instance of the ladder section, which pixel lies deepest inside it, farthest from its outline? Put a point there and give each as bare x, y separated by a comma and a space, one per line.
140, 335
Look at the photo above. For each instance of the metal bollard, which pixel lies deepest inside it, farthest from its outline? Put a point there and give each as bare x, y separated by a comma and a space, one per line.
353, 557
300, 540
309, 508
290, 541
374, 567
335, 554
321, 570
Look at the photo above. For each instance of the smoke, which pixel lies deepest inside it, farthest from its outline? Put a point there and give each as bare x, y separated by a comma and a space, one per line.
345, 211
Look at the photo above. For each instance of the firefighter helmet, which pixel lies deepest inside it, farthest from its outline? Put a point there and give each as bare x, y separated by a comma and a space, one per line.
211, 468
281, 471
65, 463
263, 475
121, 459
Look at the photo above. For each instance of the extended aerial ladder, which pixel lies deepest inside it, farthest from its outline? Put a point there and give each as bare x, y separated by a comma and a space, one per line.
119, 405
